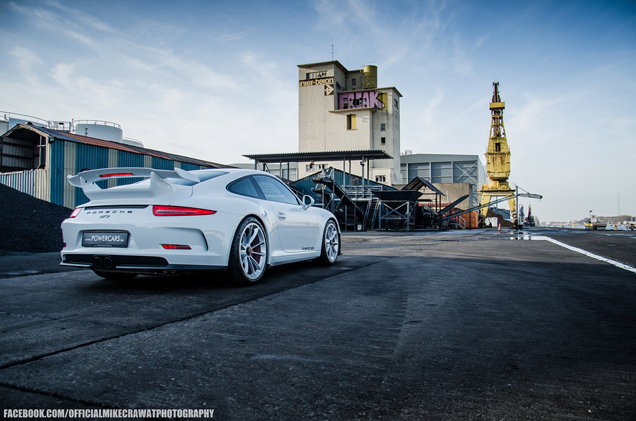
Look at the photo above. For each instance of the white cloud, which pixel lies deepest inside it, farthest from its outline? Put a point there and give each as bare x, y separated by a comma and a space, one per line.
461, 60
63, 74
205, 76
148, 32
79, 16
257, 62
330, 12
482, 40
236, 36
26, 62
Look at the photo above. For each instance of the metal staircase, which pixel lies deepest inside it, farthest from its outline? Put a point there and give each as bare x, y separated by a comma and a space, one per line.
371, 213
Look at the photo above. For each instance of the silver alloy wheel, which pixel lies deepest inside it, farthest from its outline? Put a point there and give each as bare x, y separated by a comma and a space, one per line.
252, 251
332, 244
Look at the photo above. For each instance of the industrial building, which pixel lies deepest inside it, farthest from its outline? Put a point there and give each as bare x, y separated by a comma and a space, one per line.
36, 158
453, 175
344, 110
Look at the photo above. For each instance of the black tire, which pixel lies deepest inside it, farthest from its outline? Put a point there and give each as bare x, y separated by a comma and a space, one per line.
248, 255
115, 276
330, 244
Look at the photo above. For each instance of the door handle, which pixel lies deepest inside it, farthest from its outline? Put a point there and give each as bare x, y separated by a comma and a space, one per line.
281, 216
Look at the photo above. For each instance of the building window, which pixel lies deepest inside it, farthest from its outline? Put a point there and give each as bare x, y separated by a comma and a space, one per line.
497, 147
395, 103
353, 82
383, 126
380, 178
383, 140
351, 122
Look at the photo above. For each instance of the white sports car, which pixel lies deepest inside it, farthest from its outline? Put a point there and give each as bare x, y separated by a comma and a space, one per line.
241, 221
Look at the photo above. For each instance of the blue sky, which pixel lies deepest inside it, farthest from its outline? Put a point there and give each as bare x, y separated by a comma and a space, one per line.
217, 80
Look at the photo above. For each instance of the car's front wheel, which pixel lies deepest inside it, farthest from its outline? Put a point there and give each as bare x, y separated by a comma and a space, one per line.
248, 255
330, 244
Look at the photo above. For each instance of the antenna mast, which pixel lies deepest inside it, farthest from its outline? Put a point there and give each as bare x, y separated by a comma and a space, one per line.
331, 48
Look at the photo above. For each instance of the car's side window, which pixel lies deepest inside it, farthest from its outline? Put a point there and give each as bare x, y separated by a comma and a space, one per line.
275, 190
245, 187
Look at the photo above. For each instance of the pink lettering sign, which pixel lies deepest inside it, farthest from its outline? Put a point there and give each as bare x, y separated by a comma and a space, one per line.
367, 99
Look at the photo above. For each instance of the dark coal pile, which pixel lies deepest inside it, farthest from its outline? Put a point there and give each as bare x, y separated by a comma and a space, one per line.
28, 224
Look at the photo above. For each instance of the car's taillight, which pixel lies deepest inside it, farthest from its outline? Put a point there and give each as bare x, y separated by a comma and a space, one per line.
115, 174
75, 212
176, 247
179, 211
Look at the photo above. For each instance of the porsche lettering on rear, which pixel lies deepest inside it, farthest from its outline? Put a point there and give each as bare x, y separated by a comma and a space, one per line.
108, 212
180, 221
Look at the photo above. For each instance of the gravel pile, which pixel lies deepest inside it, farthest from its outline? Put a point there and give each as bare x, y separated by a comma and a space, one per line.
502, 221
28, 224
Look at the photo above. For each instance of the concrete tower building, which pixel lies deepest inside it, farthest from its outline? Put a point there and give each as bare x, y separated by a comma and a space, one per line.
344, 110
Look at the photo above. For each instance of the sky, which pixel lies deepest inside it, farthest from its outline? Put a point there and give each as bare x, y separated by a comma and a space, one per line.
217, 79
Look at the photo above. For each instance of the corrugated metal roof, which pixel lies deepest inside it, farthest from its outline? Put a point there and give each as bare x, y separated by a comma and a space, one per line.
92, 141
320, 156
71, 137
424, 158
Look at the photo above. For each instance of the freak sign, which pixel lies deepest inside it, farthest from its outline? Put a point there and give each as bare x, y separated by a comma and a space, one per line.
367, 99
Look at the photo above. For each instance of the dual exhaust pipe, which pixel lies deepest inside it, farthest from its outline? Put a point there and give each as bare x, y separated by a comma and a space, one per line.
104, 262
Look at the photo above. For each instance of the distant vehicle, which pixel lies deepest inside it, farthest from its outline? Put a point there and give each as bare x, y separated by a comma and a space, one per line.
241, 221
596, 222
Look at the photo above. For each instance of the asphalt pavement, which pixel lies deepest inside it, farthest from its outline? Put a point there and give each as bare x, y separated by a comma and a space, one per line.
406, 326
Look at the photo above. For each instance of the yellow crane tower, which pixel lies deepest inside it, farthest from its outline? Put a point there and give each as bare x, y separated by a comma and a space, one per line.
497, 160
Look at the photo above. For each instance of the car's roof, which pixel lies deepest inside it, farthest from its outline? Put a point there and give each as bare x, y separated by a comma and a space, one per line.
233, 171
229, 170
228, 175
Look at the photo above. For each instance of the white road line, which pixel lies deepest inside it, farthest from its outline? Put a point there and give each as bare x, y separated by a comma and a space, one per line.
592, 255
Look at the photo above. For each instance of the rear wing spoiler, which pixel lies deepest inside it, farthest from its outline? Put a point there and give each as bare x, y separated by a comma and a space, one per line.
159, 185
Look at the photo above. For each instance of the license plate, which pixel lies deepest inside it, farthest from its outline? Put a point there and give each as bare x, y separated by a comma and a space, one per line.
105, 239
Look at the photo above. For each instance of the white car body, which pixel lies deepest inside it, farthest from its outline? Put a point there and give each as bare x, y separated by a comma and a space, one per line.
294, 231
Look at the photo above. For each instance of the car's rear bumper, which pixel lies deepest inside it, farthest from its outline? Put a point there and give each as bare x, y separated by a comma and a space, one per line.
103, 259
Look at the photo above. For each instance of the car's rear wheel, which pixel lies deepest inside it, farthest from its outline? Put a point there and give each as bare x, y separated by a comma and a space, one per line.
115, 276
248, 256
330, 244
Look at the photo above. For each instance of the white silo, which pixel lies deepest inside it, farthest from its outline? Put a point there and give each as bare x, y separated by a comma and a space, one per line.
98, 129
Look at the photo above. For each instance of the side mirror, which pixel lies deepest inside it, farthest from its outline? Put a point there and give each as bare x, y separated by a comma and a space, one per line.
305, 204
